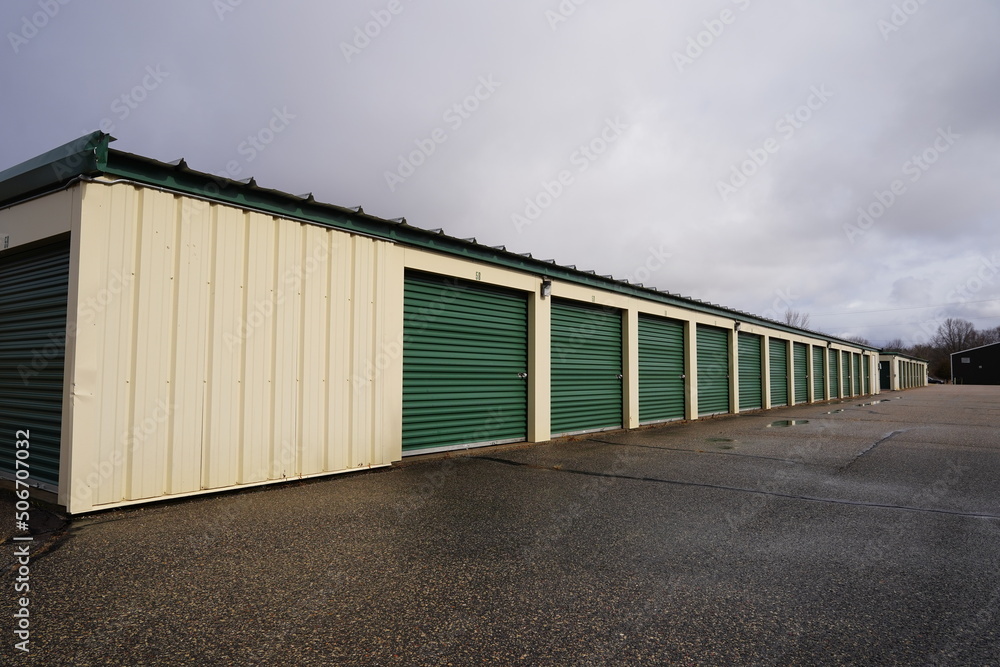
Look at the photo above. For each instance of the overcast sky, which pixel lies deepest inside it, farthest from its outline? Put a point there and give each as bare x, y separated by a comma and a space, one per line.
724, 150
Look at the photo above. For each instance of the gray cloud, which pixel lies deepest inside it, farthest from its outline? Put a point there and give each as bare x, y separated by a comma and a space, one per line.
656, 186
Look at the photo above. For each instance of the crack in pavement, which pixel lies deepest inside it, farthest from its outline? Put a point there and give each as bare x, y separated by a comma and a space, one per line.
872, 446
722, 487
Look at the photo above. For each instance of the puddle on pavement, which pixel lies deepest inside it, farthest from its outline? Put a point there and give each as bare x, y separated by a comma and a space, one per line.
862, 405
833, 412
788, 422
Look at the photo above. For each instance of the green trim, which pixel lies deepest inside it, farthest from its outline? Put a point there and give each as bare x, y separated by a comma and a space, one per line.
84, 156
92, 156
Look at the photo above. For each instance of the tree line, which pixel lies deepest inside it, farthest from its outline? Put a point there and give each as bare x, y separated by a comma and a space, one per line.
953, 335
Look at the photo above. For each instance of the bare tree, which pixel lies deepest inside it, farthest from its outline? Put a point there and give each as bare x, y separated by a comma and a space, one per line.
860, 340
956, 334
989, 336
895, 345
797, 319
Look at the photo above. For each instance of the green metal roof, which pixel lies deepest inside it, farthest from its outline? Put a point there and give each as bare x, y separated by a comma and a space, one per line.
91, 156
84, 156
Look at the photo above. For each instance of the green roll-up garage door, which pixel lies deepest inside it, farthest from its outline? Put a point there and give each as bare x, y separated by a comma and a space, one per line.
779, 372
866, 362
661, 369
819, 377
713, 370
857, 374
845, 369
800, 360
34, 286
586, 368
834, 374
751, 371
884, 376
464, 347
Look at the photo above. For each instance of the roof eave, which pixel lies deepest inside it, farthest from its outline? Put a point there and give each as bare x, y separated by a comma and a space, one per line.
84, 156
90, 156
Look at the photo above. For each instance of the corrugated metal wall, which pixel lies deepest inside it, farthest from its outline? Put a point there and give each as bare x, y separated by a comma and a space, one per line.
218, 347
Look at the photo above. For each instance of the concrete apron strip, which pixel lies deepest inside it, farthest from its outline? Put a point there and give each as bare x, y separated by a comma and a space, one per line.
720, 487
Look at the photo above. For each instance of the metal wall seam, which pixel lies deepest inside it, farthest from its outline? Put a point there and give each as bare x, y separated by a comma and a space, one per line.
213, 353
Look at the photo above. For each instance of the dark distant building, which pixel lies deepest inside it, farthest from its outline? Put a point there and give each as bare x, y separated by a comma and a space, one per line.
980, 365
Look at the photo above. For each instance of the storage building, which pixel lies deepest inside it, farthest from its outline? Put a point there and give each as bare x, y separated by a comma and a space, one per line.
979, 365
165, 332
898, 371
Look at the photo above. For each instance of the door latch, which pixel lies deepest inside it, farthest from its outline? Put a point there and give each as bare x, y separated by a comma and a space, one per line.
620, 376
523, 376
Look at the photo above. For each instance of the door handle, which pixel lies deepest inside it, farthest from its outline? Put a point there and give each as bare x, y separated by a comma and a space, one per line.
523, 376
620, 376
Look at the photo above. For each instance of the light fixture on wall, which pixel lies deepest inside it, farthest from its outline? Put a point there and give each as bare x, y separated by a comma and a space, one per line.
736, 327
546, 287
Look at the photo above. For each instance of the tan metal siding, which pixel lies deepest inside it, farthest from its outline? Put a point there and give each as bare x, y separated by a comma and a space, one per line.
240, 348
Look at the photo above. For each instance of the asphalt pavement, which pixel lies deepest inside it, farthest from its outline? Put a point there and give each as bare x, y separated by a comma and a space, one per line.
864, 533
